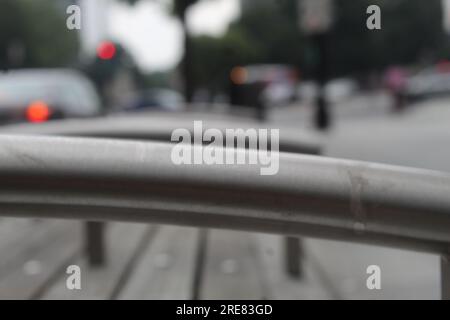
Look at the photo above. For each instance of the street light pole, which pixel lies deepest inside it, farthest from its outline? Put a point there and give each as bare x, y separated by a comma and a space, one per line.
322, 119
316, 19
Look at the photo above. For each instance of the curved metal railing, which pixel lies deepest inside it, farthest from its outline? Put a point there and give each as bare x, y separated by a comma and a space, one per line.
157, 126
91, 179
313, 195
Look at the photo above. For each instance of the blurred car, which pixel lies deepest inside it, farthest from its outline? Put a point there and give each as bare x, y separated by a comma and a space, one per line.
275, 84
339, 90
431, 81
160, 99
39, 95
336, 90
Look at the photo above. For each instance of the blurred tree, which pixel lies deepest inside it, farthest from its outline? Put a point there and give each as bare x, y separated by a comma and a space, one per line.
411, 30
159, 79
214, 58
180, 8
267, 33
34, 34
275, 30
414, 26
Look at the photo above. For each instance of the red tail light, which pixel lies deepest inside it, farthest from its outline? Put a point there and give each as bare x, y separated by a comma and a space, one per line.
38, 111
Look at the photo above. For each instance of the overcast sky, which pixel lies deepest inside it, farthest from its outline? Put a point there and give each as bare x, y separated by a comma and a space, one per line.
154, 37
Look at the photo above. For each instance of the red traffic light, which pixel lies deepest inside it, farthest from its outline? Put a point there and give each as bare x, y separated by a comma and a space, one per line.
106, 50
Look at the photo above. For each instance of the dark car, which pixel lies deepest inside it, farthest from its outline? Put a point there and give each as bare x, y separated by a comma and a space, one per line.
270, 84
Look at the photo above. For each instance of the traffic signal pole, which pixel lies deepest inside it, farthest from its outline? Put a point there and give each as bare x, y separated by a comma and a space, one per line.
316, 19
322, 117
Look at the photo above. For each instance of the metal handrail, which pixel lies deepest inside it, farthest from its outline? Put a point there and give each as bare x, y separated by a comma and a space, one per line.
345, 199
159, 127
93, 179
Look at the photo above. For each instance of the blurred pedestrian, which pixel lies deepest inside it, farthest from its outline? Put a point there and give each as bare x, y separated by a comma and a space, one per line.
395, 82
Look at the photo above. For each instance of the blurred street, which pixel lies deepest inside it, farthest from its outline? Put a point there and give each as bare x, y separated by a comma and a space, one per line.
360, 106
366, 129
325, 73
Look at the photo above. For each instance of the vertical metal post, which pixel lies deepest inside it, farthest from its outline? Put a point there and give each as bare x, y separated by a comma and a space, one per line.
200, 263
294, 253
95, 243
445, 277
322, 115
